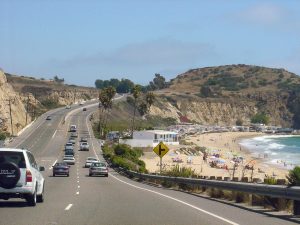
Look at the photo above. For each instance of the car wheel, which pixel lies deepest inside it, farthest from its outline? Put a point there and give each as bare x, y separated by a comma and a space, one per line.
53, 174
40, 198
90, 174
31, 199
106, 175
68, 175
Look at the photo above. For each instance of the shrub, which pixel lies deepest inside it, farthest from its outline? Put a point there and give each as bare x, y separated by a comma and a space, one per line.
260, 118
270, 180
2, 136
239, 122
294, 176
180, 172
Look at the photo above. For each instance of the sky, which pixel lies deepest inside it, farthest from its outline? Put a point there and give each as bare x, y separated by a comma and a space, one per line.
82, 41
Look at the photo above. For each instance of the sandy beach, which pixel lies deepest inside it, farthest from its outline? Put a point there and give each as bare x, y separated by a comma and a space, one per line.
222, 148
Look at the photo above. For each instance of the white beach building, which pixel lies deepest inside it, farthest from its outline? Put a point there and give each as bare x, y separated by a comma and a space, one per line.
150, 138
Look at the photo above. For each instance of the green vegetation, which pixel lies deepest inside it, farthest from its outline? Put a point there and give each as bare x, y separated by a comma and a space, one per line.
239, 122
270, 180
124, 156
228, 81
294, 176
2, 136
50, 103
178, 171
260, 118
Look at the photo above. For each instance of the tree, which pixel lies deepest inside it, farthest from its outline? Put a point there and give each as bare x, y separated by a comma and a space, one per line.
239, 122
260, 118
159, 81
99, 84
58, 80
125, 86
136, 91
106, 96
294, 176
150, 98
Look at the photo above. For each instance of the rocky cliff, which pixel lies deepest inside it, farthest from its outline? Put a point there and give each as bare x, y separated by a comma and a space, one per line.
11, 106
25, 98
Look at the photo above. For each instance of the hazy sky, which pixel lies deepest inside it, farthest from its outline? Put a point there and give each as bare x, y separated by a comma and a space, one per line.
82, 41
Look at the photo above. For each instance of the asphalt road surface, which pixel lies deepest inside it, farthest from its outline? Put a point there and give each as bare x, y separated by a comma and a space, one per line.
80, 199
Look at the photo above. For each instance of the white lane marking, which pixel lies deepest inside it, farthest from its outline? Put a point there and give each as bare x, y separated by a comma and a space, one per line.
54, 162
68, 207
52, 165
77, 177
177, 200
77, 193
54, 134
78, 181
78, 186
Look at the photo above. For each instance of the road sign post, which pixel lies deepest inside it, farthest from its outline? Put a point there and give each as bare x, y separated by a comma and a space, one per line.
161, 149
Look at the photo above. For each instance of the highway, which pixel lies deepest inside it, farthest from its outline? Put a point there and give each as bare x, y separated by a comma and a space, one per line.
80, 199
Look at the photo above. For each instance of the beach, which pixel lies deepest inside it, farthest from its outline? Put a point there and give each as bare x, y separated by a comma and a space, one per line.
226, 153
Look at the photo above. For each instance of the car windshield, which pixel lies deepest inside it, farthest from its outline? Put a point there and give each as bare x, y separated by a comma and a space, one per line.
91, 159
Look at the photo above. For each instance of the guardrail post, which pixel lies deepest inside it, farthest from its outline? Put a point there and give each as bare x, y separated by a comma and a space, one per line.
296, 208
281, 202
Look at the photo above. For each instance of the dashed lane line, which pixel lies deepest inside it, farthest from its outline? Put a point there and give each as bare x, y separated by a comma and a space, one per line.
68, 207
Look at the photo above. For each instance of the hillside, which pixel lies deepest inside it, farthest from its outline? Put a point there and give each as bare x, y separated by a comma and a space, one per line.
222, 95
29, 97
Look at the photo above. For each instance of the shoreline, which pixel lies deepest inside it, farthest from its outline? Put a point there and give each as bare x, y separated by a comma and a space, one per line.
225, 145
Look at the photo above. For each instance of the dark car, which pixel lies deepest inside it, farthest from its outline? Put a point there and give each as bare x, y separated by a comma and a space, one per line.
61, 168
49, 118
84, 109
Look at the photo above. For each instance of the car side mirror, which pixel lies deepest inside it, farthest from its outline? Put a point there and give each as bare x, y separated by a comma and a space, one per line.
41, 168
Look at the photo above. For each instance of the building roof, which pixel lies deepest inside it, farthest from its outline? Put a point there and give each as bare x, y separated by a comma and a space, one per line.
158, 131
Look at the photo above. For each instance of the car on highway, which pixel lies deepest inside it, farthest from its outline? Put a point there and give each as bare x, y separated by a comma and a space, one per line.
49, 118
89, 161
72, 140
68, 107
69, 159
20, 176
69, 152
61, 168
98, 168
83, 139
84, 146
74, 134
73, 128
84, 109
69, 146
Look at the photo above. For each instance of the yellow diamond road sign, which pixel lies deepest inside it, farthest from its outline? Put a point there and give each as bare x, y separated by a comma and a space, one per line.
161, 149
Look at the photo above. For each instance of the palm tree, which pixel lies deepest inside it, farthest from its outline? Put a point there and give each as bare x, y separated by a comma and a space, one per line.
136, 91
106, 96
150, 98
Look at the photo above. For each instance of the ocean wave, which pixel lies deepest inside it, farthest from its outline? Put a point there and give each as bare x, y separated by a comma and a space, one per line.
275, 146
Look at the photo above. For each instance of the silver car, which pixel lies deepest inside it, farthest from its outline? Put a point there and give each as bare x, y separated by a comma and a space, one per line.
98, 168
70, 160
89, 161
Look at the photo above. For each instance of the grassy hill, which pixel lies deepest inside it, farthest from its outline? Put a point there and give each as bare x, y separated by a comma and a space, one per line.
221, 95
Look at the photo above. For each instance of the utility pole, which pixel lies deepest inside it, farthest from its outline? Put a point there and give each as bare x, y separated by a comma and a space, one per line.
11, 119
27, 103
74, 96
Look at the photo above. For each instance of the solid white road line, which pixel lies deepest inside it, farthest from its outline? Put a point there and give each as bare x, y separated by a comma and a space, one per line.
54, 134
68, 207
54, 162
177, 200
77, 193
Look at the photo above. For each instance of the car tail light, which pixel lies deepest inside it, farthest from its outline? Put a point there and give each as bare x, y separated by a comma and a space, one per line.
28, 176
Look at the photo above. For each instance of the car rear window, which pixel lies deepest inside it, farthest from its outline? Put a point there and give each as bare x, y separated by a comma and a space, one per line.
14, 157
99, 164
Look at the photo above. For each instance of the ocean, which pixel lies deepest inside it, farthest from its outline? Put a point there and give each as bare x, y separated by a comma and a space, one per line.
282, 150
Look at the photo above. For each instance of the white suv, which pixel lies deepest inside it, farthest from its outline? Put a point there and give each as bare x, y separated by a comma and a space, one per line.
20, 176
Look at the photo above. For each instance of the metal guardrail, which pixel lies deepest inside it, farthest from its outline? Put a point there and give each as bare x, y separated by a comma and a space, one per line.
275, 191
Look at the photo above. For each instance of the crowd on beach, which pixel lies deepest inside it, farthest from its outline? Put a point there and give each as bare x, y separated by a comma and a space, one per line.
223, 156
